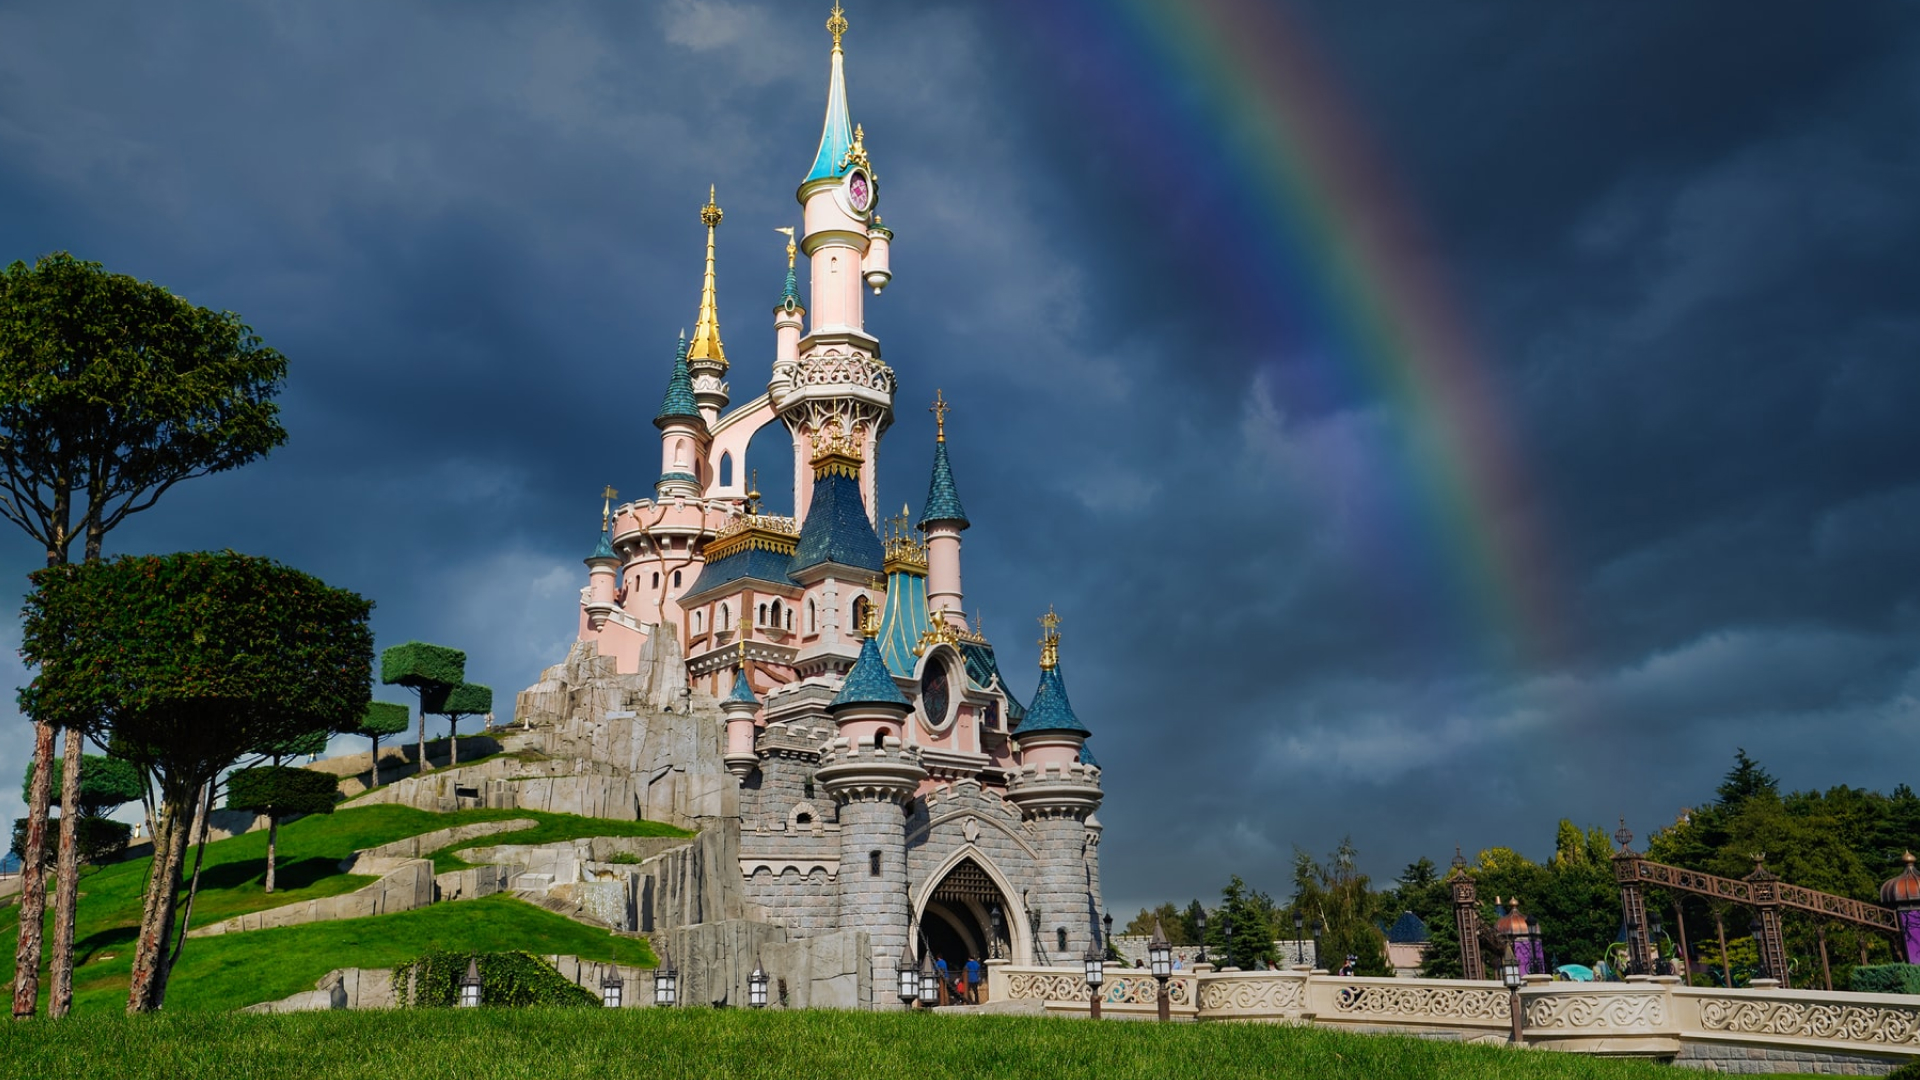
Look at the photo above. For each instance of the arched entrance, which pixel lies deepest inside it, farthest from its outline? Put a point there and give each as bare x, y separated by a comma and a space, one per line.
956, 915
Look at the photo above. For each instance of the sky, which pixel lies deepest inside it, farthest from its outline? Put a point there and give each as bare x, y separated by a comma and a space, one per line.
1675, 241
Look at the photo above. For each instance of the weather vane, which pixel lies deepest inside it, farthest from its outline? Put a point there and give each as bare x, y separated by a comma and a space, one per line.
939, 411
787, 230
837, 23
606, 508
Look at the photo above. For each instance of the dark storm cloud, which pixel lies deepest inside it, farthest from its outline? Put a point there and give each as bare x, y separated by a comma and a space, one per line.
1686, 237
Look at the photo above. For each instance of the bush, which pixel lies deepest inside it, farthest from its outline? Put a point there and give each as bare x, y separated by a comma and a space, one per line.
281, 791
105, 782
384, 718
1909, 1071
467, 699
1886, 979
510, 978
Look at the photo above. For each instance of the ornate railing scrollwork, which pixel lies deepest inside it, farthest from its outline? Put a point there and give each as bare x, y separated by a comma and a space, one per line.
1253, 995
1560, 1012
1433, 1003
1881, 1025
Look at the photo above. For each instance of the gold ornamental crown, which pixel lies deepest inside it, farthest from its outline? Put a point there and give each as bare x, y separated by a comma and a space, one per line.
836, 452
905, 552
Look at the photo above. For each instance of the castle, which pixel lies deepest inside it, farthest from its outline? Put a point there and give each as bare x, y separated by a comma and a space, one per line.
889, 781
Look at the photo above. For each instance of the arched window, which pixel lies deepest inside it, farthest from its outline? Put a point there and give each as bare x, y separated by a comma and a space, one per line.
789, 618
880, 739
696, 622
803, 818
813, 619
726, 618
762, 619
873, 865
656, 579
676, 579
860, 608
775, 620
1060, 936
726, 470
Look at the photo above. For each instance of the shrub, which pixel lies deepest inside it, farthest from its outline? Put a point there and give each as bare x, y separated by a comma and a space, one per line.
280, 791
1886, 979
100, 839
385, 718
1909, 1071
509, 978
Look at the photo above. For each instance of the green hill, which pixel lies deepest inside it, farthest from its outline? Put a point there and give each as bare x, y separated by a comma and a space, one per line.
229, 971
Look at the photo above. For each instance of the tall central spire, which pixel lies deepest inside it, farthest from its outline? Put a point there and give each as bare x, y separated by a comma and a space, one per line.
706, 349
836, 138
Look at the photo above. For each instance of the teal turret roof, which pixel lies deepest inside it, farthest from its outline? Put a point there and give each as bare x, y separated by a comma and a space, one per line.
902, 620
602, 550
836, 138
679, 403
1050, 710
837, 529
790, 292
742, 690
869, 683
943, 502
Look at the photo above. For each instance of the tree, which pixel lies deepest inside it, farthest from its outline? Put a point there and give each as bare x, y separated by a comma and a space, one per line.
1745, 780
454, 702
383, 718
1250, 914
106, 783
1336, 893
1172, 924
430, 671
112, 390
279, 791
188, 662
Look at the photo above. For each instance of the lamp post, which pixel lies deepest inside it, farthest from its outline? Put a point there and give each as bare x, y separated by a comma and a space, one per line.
1226, 932
1319, 928
929, 983
612, 987
469, 985
757, 986
666, 982
908, 974
1200, 927
1160, 962
999, 922
1511, 977
1106, 924
1096, 975
1299, 938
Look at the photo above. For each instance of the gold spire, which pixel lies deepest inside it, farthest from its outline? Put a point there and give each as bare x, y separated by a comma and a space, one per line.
753, 493
706, 333
939, 411
1049, 640
743, 654
837, 24
606, 508
791, 249
870, 618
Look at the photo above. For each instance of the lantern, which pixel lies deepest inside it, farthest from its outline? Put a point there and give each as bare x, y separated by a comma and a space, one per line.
469, 985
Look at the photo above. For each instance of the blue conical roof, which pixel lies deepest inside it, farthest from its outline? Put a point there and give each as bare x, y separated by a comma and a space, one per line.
943, 502
869, 683
602, 550
679, 403
742, 690
836, 138
1050, 710
790, 292
836, 529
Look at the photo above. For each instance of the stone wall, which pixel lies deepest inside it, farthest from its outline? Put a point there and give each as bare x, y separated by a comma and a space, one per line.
406, 886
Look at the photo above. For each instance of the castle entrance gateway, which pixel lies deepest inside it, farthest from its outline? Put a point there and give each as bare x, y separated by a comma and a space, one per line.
957, 916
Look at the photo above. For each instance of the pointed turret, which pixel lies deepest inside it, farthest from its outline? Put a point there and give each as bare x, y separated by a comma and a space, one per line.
682, 431
679, 404
836, 138
837, 529
869, 683
706, 356
739, 707
1050, 712
942, 520
603, 567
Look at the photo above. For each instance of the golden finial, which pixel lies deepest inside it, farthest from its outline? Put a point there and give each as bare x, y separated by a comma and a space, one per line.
939, 411
711, 213
870, 619
791, 249
606, 508
706, 346
837, 24
857, 153
743, 652
753, 493
1049, 640
977, 631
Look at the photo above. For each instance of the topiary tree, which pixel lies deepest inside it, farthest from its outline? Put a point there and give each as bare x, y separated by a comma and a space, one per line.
467, 699
427, 670
185, 663
279, 791
112, 390
383, 718
106, 783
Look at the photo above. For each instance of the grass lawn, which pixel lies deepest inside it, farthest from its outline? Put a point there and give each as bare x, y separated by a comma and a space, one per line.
558, 1044
310, 852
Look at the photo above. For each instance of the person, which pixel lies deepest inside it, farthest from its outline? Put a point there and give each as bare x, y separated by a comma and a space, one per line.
946, 981
973, 980
1180, 962
960, 988
1347, 968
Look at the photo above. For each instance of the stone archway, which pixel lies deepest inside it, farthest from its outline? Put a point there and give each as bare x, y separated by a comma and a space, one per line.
954, 911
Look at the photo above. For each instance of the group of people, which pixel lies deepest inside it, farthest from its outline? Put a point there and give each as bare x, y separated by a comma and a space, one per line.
961, 989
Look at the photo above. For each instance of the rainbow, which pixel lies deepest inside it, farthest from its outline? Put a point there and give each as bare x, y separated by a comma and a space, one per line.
1229, 98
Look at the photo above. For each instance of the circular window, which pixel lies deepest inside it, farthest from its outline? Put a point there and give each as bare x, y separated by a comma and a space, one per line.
936, 697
